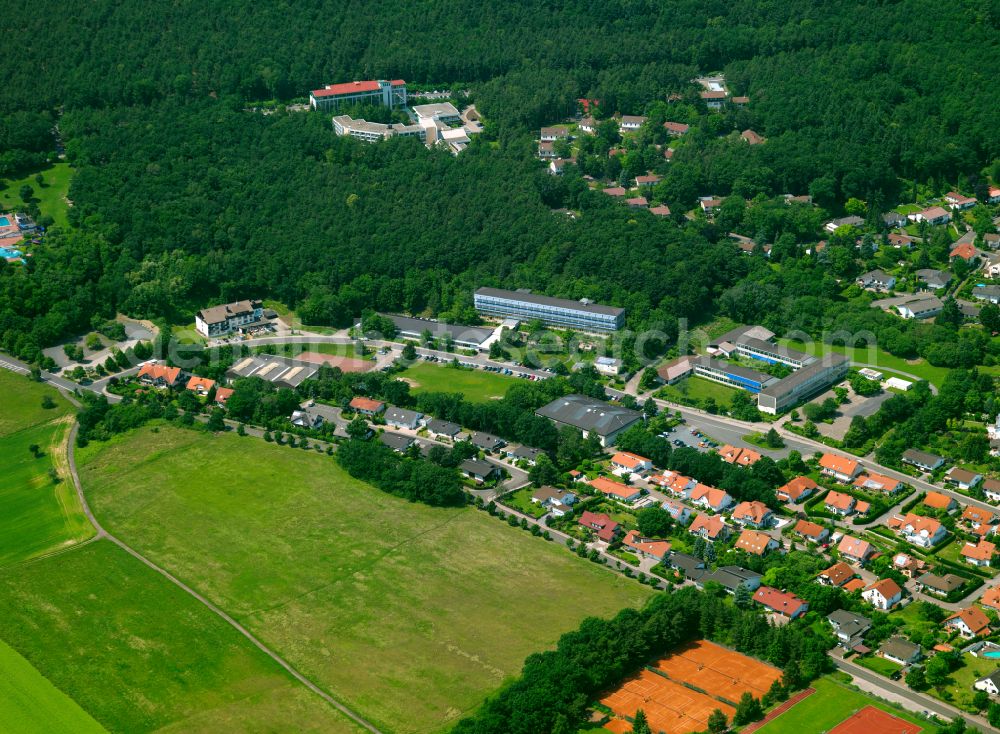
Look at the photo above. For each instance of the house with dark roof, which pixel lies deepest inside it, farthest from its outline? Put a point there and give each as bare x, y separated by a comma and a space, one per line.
402, 417
922, 460
487, 441
962, 478
900, 650
849, 627
443, 429
480, 470
990, 683
527, 454
931, 583
604, 527
396, 441
558, 501
732, 578
692, 567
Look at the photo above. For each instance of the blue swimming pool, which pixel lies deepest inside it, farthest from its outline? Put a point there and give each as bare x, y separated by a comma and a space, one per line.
991, 654
6, 252
4, 221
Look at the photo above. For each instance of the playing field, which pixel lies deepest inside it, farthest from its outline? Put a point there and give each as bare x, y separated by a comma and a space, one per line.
141, 655
30, 704
476, 385
831, 705
37, 514
410, 614
871, 720
672, 706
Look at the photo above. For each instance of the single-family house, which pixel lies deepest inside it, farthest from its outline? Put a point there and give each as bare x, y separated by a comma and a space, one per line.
932, 215
908, 565
925, 532
558, 501
709, 527
692, 567
811, 531
780, 602
751, 137
610, 366
631, 123
222, 396
991, 488
677, 484
969, 622
991, 599
603, 526
200, 385
797, 490
934, 279
587, 125
396, 441
895, 220
850, 628
525, 454
402, 417
675, 129
990, 684
878, 483
855, 550
637, 202
662, 210
480, 470
616, 490
732, 578
884, 594
709, 204
546, 151
753, 514
837, 575
979, 554
921, 307
963, 478
305, 419
835, 224
701, 495
443, 429
487, 441
654, 548
900, 650
922, 460
714, 99
624, 463
366, 406
939, 501
964, 251
739, 456
931, 583
840, 503
159, 375
557, 166
551, 134
977, 517
756, 543
959, 201
678, 511
877, 280
842, 469
647, 180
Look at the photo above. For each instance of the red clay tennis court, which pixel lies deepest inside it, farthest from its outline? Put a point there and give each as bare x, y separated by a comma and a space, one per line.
718, 671
669, 706
871, 720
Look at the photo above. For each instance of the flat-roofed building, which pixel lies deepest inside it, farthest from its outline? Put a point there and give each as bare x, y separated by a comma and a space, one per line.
583, 314
590, 416
469, 337
381, 92
733, 375
803, 383
441, 111
219, 320
281, 371
373, 132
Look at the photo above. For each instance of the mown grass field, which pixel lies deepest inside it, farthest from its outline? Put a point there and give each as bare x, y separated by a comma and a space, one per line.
827, 707
30, 704
51, 196
410, 614
37, 514
141, 655
878, 358
476, 385
698, 388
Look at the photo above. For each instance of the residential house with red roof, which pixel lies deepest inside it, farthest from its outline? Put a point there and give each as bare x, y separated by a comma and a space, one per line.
932, 215
811, 531
908, 565
627, 463
964, 251
883, 594
842, 469
159, 375
366, 406
976, 517
837, 575
924, 532
969, 622
843, 504
753, 514
709, 527
654, 548
780, 602
855, 550
756, 543
678, 511
797, 490
979, 554
200, 385
222, 396
710, 498
959, 201
938, 501
991, 598
605, 528
878, 483
616, 490
739, 456
675, 129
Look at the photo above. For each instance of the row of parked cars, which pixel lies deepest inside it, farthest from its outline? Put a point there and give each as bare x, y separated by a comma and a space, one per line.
484, 367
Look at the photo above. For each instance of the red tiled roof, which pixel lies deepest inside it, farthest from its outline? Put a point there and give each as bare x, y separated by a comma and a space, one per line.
616, 489
650, 546
839, 574
713, 525
359, 402
797, 487
886, 587
160, 372
754, 512
838, 464
965, 250
222, 395
854, 547
778, 601
200, 383
753, 542
981, 551
661, 211
333, 90
838, 500
938, 501
628, 460
974, 619
809, 529
739, 456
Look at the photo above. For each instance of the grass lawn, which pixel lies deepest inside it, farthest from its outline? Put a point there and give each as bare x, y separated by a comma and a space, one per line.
697, 388
960, 688
828, 706
882, 360
140, 655
521, 501
30, 704
37, 514
879, 665
476, 385
410, 614
51, 195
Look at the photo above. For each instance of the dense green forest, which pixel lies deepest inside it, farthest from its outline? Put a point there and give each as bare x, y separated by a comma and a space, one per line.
182, 197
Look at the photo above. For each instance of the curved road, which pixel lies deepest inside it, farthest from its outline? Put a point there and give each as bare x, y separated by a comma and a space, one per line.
102, 533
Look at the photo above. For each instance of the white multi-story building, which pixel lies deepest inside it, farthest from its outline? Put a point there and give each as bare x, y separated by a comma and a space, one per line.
372, 132
219, 320
381, 93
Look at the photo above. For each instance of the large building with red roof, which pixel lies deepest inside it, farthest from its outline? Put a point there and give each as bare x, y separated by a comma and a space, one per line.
381, 93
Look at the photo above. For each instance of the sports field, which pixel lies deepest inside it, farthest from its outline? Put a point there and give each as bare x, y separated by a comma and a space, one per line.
476, 385
410, 614
831, 705
140, 655
37, 513
30, 704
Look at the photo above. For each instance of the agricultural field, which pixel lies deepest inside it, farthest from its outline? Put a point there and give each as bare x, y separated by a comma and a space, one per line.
38, 513
828, 706
879, 359
476, 385
140, 655
51, 194
30, 704
409, 614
